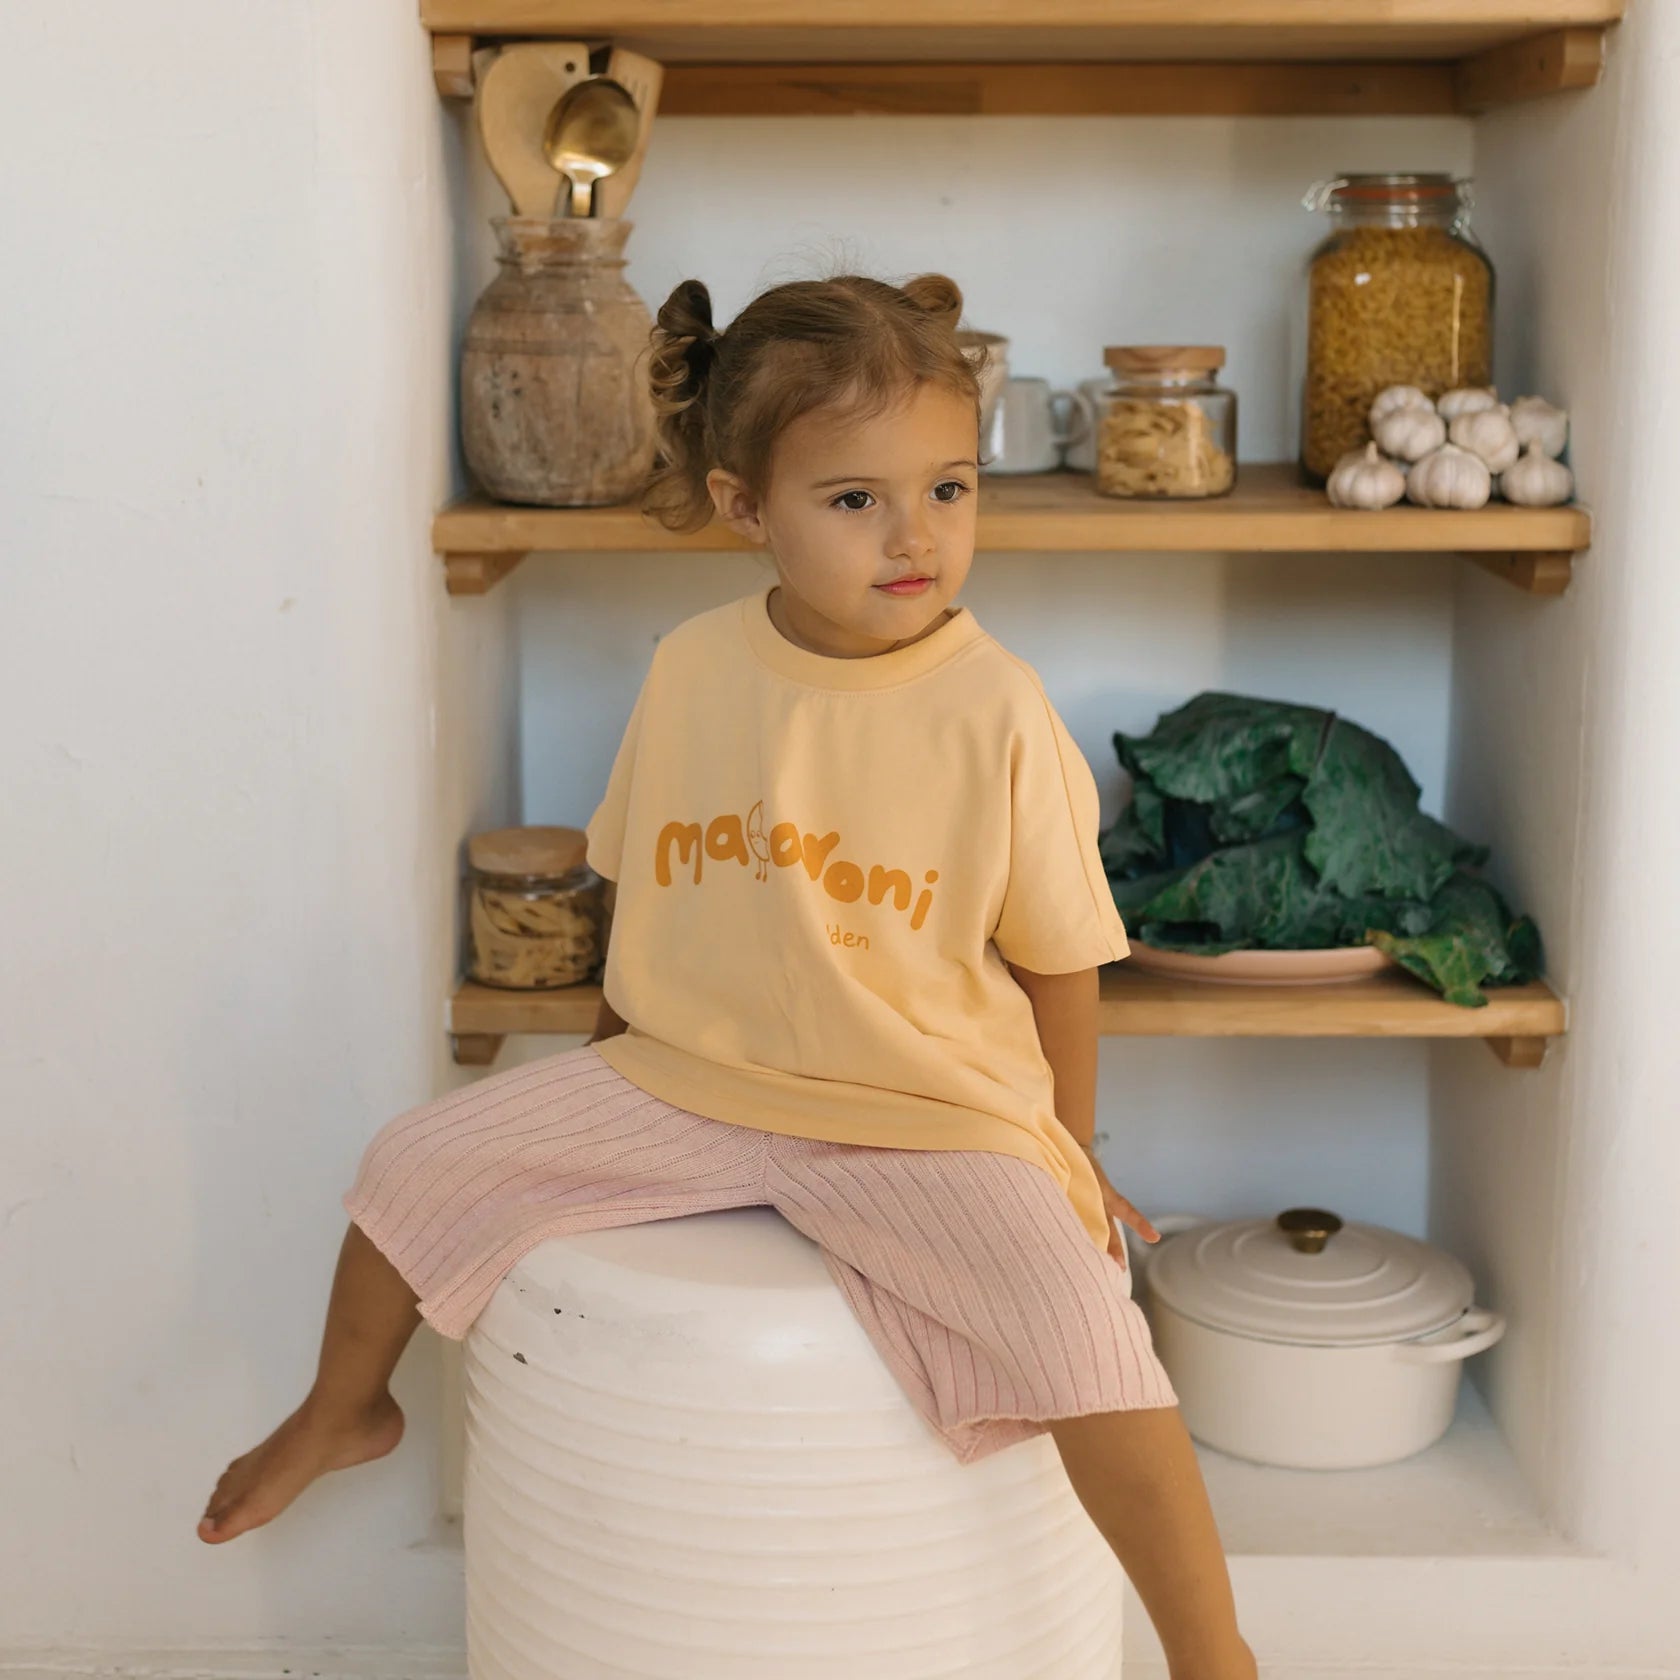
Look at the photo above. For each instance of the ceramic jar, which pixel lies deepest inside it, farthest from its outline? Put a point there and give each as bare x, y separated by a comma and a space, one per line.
555, 406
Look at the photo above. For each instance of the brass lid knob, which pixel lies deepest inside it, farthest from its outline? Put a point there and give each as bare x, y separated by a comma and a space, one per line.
1308, 1229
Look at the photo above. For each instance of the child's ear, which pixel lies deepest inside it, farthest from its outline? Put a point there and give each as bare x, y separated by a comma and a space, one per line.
736, 505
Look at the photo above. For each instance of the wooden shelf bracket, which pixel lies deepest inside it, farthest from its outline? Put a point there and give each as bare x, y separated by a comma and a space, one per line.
1530, 69
475, 1049
1518, 1052
477, 574
452, 66
1541, 573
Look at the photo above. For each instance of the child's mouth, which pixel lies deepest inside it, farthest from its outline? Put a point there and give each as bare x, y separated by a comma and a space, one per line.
906, 586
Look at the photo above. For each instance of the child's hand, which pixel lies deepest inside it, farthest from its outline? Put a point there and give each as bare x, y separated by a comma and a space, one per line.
1119, 1208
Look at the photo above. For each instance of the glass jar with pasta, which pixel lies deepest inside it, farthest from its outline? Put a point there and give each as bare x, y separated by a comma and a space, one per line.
1399, 293
535, 909
1166, 428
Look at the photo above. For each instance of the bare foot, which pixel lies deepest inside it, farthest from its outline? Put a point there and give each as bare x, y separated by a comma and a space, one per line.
255, 1489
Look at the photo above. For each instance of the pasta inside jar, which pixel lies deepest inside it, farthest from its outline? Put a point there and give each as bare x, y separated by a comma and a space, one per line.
1398, 294
535, 909
1167, 428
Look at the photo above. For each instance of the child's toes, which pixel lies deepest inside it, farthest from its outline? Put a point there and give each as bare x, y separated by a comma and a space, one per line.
231, 1519
226, 1495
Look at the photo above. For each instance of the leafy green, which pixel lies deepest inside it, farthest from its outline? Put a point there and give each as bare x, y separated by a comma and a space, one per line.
1255, 824
1472, 940
1368, 834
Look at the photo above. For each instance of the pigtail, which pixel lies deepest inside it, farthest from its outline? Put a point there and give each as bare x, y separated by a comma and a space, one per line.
684, 349
937, 295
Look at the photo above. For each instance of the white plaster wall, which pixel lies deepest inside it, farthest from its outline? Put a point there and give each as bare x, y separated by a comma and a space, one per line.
1068, 235
243, 729
1561, 1185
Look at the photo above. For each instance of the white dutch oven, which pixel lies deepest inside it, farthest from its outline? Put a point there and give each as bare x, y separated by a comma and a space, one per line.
1305, 1342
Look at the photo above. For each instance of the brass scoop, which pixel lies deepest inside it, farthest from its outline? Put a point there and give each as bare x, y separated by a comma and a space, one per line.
591, 132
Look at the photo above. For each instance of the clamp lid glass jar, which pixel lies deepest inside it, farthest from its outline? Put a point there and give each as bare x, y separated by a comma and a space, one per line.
535, 908
1399, 293
1166, 428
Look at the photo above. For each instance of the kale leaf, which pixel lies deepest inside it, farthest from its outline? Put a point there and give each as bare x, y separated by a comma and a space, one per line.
1257, 824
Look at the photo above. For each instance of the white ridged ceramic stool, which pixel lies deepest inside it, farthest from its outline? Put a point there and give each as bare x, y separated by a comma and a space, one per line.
686, 1461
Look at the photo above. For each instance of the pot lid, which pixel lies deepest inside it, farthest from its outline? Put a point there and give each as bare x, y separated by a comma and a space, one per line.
1308, 1278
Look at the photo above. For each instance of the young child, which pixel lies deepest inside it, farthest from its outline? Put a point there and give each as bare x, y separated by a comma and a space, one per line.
853, 967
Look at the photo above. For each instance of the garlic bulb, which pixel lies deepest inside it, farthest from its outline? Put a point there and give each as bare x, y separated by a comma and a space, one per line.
1536, 421
1397, 396
1364, 479
1487, 432
1450, 478
1471, 399
1409, 433
1537, 480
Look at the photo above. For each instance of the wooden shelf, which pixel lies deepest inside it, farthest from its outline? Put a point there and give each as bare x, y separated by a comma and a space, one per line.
1269, 512
1516, 1023
1072, 57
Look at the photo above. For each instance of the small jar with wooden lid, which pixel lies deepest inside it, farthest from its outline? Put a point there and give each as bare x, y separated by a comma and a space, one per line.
535, 909
1166, 428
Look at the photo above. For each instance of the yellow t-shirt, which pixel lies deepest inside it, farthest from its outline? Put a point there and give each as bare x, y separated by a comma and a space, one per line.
822, 867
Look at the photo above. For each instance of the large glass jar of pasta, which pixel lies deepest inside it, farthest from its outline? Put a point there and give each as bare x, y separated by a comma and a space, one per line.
535, 909
1399, 293
1166, 428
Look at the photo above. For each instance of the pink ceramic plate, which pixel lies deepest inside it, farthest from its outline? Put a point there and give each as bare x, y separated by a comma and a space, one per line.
1264, 968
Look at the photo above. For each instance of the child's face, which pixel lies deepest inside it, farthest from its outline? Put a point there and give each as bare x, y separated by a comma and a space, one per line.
855, 508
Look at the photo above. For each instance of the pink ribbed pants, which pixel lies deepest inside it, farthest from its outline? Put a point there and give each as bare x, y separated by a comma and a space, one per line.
969, 1270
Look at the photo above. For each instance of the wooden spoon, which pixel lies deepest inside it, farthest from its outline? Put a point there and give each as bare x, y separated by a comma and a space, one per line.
515, 95
643, 77
590, 133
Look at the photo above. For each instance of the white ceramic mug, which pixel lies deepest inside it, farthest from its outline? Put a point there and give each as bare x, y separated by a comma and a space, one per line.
996, 349
1082, 453
1032, 427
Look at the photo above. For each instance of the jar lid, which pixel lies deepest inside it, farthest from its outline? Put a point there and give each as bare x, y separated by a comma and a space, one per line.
1308, 1279
1164, 358
1387, 189
528, 851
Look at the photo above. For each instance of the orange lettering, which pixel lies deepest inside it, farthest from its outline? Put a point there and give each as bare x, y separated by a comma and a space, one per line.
724, 840
923, 903
816, 853
784, 845
844, 881
880, 880
685, 837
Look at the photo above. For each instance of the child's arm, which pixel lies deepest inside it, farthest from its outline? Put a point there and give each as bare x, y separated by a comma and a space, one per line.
1065, 1012
1065, 1009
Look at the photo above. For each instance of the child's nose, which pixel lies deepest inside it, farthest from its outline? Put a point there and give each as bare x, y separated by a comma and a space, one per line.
911, 538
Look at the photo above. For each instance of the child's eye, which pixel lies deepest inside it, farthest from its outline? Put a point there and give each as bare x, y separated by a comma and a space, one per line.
956, 488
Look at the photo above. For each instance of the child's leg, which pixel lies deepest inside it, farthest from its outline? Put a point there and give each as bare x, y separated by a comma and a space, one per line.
455, 1191
348, 1417
987, 1298
1136, 1474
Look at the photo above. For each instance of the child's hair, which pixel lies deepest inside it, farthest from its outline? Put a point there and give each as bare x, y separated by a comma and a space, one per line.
852, 343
